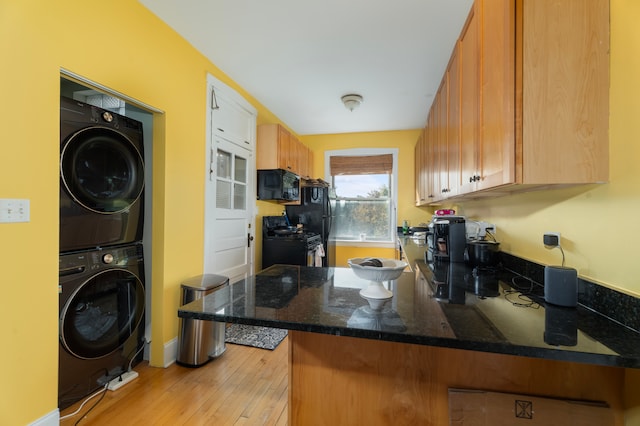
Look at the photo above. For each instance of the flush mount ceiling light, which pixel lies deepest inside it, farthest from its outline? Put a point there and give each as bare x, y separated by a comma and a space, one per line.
351, 101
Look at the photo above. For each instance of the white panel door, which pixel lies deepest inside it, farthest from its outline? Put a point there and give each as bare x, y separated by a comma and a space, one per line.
230, 186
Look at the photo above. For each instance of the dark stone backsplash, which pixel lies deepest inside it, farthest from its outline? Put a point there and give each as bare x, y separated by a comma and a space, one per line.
613, 304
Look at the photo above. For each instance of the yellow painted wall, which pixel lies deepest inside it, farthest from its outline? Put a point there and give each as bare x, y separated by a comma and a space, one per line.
121, 45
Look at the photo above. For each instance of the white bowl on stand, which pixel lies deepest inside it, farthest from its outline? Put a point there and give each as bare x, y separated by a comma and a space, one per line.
375, 293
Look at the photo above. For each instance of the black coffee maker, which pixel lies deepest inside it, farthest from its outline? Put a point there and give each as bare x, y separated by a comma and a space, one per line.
449, 239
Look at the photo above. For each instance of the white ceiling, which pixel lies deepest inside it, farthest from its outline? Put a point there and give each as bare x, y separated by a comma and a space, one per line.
298, 58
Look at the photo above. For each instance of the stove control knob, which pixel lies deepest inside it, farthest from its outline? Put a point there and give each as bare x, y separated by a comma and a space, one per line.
107, 258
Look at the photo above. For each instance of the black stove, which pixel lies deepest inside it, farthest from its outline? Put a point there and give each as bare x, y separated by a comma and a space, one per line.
285, 244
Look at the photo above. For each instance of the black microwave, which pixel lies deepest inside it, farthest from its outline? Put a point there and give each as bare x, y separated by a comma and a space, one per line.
278, 184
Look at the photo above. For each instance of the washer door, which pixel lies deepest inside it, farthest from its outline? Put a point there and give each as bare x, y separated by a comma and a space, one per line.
102, 170
102, 314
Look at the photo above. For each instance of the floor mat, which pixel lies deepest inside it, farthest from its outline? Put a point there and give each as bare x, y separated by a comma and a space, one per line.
258, 337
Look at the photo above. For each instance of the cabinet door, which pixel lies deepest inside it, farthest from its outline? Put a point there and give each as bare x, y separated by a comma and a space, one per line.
453, 126
425, 157
497, 154
468, 50
429, 161
418, 170
422, 168
310, 163
305, 161
284, 149
565, 85
440, 145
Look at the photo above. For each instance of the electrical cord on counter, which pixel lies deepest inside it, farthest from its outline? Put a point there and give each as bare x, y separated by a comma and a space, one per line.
522, 294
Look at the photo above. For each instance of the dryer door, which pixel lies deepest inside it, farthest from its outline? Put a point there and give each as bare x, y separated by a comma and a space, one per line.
102, 170
102, 314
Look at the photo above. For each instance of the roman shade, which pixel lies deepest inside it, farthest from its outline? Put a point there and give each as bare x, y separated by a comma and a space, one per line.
361, 164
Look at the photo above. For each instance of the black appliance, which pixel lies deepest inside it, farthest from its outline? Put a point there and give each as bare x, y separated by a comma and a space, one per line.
282, 244
449, 239
101, 177
278, 184
315, 215
452, 282
101, 323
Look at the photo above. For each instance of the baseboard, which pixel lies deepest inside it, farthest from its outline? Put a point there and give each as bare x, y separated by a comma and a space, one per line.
51, 419
170, 352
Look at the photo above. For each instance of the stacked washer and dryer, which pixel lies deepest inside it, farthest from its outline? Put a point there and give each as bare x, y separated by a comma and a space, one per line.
101, 284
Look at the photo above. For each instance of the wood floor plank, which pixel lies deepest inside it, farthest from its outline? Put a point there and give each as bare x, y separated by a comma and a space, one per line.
245, 386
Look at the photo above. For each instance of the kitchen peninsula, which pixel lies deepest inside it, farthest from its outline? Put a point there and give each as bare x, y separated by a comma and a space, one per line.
350, 365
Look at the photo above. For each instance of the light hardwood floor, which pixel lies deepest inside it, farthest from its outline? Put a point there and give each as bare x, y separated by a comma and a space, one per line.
245, 386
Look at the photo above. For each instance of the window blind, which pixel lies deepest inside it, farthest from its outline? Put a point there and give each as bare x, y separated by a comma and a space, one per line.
361, 164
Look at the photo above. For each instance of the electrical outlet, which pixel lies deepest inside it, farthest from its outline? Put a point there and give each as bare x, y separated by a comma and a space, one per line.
122, 380
551, 239
14, 210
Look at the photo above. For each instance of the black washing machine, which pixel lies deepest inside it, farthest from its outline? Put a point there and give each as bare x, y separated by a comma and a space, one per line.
101, 177
102, 304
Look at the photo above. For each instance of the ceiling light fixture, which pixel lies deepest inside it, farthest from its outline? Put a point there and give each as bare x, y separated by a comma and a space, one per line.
351, 101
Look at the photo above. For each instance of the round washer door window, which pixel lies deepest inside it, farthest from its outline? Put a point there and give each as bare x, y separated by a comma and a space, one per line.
102, 314
102, 170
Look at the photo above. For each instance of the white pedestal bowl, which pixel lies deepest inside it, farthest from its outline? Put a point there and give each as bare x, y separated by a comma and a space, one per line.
375, 293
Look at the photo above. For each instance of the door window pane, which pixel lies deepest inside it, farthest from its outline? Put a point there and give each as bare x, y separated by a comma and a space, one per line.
223, 162
223, 194
239, 196
241, 170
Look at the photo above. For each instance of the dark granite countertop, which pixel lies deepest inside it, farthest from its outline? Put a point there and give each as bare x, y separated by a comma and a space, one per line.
438, 305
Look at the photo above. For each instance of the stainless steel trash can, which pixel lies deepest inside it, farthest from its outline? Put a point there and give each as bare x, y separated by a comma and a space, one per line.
199, 341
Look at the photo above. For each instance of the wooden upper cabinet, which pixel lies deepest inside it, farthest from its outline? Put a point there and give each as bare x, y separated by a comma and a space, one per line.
546, 64
277, 148
531, 99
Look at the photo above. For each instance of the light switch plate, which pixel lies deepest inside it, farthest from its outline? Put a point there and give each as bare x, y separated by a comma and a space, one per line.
14, 210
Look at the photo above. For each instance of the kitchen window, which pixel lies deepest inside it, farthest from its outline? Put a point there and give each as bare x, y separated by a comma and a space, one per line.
363, 195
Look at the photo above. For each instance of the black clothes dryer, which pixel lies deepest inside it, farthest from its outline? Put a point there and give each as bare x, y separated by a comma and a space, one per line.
101, 328
101, 177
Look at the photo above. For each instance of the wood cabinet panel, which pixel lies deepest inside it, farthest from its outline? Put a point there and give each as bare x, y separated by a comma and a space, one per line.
441, 180
453, 125
565, 73
345, 380
469, 52
497, 84
419, 170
